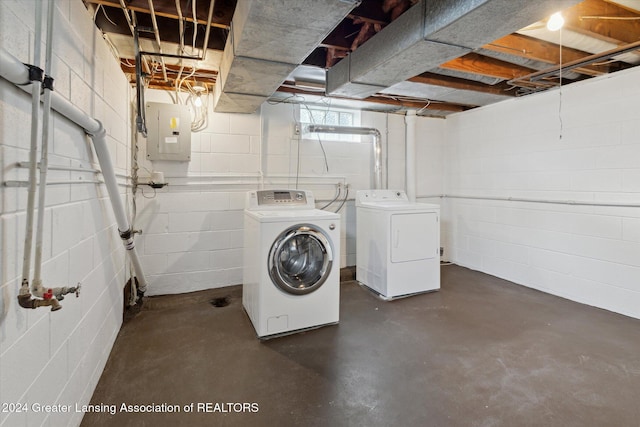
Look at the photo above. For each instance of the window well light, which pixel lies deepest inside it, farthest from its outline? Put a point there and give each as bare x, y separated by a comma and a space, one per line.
555, 22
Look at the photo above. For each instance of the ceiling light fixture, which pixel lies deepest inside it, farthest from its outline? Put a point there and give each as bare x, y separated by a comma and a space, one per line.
198, 101
555, 22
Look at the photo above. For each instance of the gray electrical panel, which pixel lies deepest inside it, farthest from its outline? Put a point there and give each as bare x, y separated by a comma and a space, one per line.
168, 132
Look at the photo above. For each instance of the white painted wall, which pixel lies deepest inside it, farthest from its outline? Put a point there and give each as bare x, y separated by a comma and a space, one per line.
513, 149
57, 358
192, 229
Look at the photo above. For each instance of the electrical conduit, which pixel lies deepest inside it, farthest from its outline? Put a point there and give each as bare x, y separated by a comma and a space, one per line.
410, 154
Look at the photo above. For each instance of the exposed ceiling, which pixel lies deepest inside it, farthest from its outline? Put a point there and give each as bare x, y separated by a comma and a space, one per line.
436, 56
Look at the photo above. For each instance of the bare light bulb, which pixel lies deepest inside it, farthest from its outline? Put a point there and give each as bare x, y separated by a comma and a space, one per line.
555, 22
198, 101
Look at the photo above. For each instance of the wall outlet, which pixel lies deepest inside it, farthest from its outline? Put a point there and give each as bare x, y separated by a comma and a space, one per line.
296, 130
441, 251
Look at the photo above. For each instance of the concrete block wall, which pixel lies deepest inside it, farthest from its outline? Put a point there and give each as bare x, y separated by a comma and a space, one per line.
193, 228
45, 357
582, 144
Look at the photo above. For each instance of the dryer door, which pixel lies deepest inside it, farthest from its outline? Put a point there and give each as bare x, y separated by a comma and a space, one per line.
300, 259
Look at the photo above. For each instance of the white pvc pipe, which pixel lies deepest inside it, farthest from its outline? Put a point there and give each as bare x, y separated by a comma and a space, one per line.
206, 33
9, 66
44, 156
348, 130
527, 200
410, 154
545, 201
109, 176
16, 73
156, 32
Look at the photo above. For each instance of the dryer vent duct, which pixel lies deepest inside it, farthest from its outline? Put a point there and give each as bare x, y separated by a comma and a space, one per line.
268, 39
349, 130
429, 34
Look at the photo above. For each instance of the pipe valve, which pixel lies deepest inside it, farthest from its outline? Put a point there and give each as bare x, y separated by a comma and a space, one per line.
61, 292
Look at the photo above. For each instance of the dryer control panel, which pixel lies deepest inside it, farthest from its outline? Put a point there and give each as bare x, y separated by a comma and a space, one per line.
377, 196
276, 199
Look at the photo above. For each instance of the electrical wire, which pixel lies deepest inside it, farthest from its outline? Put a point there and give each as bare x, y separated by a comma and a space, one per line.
104, 12
324, 119
346, 196
148, 197
285, 100
423, 108
614, 18
195, 26
338, 191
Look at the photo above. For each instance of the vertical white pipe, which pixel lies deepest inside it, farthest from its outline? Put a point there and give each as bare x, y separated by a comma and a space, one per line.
109, 176
206, 33
261, 153
410, 154
156, 32
14, 71
44, 153
35, 113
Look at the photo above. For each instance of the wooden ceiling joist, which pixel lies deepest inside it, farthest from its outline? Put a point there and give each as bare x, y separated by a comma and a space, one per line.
510, 66
462, 84
142, 6
540, 50
156, 81
391, 100
590, 16
478, 64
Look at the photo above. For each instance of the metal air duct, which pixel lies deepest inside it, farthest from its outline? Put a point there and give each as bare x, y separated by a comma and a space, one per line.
429, 34
268, 39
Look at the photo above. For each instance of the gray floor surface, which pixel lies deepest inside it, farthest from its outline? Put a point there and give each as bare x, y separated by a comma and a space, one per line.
480, 352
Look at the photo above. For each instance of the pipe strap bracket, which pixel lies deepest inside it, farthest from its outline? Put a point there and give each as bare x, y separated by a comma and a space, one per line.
126, 235
48, 83
129, 244
36, 74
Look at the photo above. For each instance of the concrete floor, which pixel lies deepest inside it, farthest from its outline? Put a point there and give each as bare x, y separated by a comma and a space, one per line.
480, 352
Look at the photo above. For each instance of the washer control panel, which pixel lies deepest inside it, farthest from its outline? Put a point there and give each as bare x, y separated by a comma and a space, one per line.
279, 199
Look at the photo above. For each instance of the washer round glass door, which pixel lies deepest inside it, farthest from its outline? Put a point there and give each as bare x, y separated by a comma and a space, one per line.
300, 259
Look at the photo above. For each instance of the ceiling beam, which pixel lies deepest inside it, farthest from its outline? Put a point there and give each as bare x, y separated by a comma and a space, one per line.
477, 64
590, 18
156, 80
540, 50
390, 100
162, 12
462, 84
552, 71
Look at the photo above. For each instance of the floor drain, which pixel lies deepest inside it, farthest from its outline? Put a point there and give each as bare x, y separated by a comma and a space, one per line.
220, 302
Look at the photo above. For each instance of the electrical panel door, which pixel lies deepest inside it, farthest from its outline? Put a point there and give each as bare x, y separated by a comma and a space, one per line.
168, 131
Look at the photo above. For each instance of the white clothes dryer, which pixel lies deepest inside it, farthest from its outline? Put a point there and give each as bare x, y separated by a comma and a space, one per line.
397, 244
291, 275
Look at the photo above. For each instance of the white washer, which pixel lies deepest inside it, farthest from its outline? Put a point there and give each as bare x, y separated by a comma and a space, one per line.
291, 276
398, 244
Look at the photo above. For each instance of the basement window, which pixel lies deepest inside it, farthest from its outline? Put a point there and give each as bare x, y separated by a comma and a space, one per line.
330, 117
